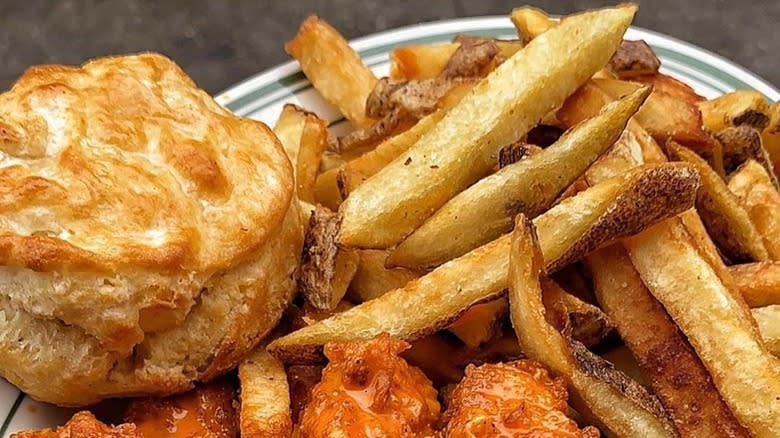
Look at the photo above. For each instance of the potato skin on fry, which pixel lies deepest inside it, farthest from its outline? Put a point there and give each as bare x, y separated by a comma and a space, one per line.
715, 321
675, 372
618, 404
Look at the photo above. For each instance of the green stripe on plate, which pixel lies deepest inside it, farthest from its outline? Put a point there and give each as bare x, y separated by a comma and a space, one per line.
10, 417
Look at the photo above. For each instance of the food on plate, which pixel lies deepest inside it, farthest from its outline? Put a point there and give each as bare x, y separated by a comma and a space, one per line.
480, 323
518, 398
84, 424
265, 407
734, 109
530, 22
304, 137
372, 278
585, 322
768, 320
368, 390
334, 68
674, 371
427, 61
126, 236
326, 269
633, 58
512, 228
671, 111
752, 185
742, 143
207, 411
529, 186
614, 209
454, 153
727, 222
619, 405
686, 283
758, 283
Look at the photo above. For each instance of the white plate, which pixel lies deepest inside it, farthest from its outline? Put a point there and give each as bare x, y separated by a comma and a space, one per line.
262, 96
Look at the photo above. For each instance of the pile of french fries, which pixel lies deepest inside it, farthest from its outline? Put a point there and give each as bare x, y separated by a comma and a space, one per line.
457, 216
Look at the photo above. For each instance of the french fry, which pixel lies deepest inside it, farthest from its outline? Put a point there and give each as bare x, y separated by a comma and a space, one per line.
727, 222
715, 321
758, 283
427, 61
480, 323
608, 211
265, 397
771, 136
603, 395
304, 137
459, 150
768, 320
372, 279
674, 371
753, 187
625, 362
334, 68
585, 322
734, 109
326, 189
530, 22
326, 269
488, 207
742, 143
670, 113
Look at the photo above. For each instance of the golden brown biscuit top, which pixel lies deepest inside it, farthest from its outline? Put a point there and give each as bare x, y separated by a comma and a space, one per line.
124, 162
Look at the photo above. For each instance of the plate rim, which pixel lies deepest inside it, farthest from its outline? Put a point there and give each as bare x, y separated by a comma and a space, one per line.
718, 62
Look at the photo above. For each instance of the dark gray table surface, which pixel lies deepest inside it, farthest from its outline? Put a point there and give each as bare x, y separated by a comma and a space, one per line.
222, 42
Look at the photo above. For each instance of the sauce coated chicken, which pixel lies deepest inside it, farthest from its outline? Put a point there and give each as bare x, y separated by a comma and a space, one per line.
512, 399
205, 412
367, 390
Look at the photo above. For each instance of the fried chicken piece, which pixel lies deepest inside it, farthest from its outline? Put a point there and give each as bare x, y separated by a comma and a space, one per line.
84, 425
512, 399
367, 390
205, 412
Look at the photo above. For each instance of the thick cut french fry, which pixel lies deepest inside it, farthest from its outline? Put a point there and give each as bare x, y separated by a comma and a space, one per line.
334, 68
621, 406
326, 269
614, 209
670, 113
753, 188
768, 320
486, 210
736, 108
759, 283
716, 322
674, 371
530, 22
727, 222
265, 397
373, 279
427, 61
304, 137
464, 146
